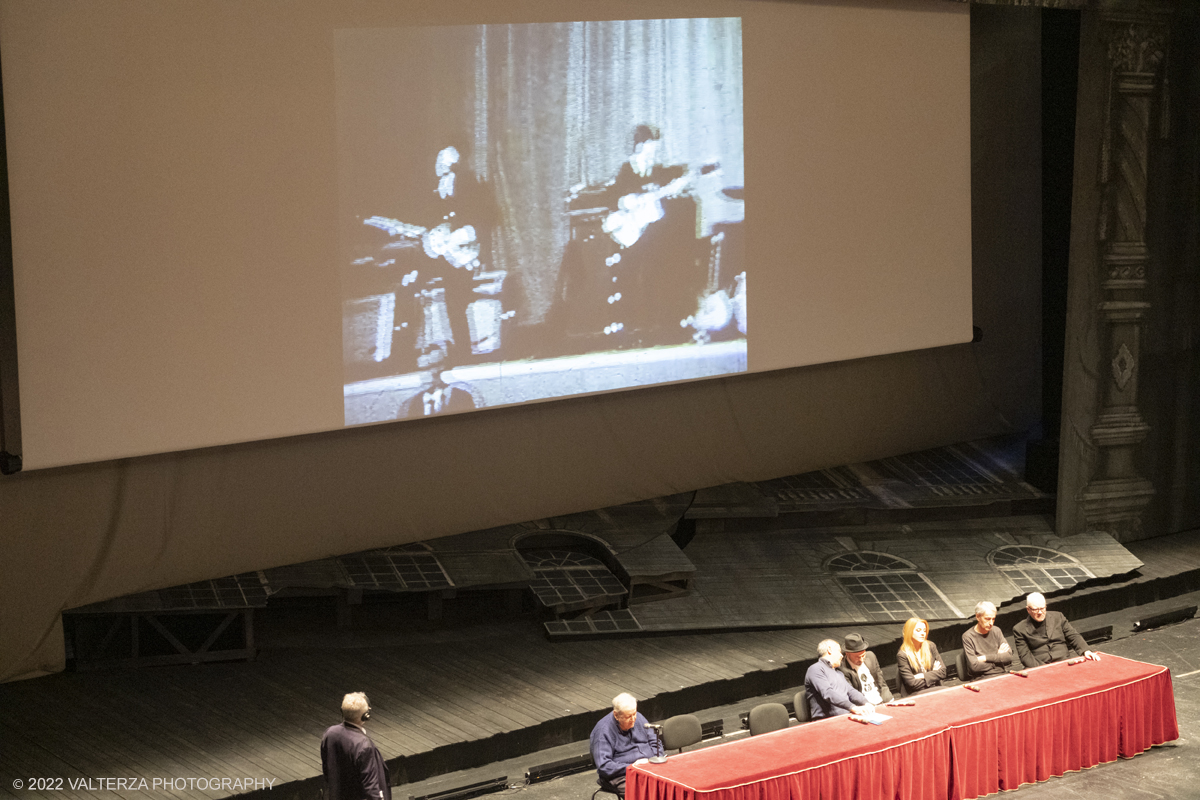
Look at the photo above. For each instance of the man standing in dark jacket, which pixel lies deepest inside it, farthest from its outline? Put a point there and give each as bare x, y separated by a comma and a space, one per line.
350, 761
861, 668
1044, 636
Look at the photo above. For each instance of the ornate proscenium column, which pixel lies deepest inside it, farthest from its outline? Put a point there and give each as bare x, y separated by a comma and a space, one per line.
1114, 498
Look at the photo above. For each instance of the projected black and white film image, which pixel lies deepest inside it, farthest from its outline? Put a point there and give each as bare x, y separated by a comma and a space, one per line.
538, 211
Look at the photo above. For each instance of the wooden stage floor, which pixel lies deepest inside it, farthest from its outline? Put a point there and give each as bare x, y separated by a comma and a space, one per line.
443, 700
1168, 772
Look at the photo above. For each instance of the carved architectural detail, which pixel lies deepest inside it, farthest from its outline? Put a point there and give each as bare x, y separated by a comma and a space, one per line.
1067, 4
1115, 506
1137, 48
1135, 7
1138, 8
1135, 38
1122, 366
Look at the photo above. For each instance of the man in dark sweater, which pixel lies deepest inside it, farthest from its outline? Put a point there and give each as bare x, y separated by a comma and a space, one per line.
619, 740
1045, 636
988, 654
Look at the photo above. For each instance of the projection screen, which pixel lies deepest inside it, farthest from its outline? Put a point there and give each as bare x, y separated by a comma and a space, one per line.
235, 221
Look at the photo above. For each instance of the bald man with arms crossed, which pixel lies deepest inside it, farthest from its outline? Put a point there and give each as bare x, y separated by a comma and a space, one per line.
1045, 636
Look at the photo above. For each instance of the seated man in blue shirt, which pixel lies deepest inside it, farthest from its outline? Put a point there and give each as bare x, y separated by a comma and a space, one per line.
621, 739
829, 693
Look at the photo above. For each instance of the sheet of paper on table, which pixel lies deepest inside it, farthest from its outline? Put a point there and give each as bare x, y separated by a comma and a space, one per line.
874, 719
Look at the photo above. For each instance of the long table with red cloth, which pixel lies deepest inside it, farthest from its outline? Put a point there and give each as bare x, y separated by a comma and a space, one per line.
953, 744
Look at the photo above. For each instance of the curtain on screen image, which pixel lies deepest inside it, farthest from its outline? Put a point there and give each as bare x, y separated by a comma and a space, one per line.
540, 119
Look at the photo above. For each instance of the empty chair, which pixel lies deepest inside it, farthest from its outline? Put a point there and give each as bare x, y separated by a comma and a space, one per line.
768, 717
960, 664
800, 701
680, 731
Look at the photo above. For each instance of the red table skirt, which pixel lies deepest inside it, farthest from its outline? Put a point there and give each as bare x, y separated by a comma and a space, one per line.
918, 770
954, 744
1126, 713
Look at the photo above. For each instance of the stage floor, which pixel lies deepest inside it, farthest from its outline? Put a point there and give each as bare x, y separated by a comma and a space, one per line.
473, 696
1170, 771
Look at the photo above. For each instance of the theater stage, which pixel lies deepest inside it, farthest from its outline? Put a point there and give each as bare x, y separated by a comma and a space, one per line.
450, 699
1164, 772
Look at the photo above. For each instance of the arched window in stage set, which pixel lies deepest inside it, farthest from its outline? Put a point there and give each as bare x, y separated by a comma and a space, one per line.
890, 588
575, 578
404, 568
1038, 569
571, 580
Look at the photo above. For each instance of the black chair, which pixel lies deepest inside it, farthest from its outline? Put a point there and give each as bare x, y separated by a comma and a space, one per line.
680, 731
768, 717
960, 665
607, 788
800, 702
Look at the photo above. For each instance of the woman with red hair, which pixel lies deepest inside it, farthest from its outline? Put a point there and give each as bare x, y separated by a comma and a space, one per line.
918, 662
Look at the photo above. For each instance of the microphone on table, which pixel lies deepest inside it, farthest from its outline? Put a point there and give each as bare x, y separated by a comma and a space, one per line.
971, 686
658, 729
1024, 673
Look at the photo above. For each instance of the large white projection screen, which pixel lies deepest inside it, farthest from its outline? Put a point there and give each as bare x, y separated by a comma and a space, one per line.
562, 211
235, 221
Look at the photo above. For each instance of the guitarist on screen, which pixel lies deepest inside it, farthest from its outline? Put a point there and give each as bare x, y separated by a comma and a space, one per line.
464, 211
640, 187
630, 272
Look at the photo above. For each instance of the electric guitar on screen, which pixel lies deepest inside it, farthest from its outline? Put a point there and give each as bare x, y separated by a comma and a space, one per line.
636, 211
459, 246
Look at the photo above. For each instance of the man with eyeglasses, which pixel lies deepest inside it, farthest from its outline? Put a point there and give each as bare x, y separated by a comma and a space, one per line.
621, 739
1045, 636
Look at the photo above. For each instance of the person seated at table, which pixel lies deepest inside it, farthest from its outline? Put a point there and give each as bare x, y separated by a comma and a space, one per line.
1045, 636
919, 663
619, 740
988, 654
861, 668
829, 693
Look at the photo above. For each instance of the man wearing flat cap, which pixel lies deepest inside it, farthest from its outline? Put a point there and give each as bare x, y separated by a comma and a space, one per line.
861, 668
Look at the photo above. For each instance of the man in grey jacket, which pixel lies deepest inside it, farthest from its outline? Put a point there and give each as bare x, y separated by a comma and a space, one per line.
1045, 636
861, 668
